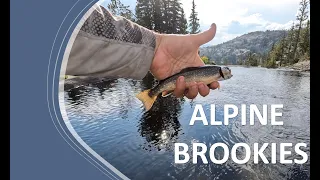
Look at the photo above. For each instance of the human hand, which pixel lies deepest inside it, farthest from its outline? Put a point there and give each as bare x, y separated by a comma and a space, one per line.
175, 52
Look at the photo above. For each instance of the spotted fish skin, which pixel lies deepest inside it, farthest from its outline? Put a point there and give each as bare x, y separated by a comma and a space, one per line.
205, 74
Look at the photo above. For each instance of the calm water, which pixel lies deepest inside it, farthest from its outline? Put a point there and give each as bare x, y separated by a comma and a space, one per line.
108, 117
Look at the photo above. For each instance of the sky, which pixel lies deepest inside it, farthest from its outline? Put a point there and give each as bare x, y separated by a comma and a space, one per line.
237, 17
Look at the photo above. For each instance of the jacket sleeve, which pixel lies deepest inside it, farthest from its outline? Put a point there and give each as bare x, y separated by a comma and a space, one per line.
111, 46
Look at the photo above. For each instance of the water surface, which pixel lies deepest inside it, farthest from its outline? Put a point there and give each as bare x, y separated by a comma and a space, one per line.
108, 117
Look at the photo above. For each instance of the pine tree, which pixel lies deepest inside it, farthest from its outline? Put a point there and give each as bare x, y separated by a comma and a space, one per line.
194, 21
117, 8
272, 47
277, 52
268, 55
304, 44
144, 13
165, 18
113, 7
301, 17
158, 15
174, 16
289, 39
183, 23
225, 61
252, 59
283, 45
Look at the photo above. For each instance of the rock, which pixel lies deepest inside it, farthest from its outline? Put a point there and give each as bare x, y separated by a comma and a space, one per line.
301, 66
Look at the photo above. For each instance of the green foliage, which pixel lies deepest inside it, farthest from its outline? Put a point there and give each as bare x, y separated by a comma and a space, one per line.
258, 42
144, 13
271, 63
163, 16
301, 17
304, 44
225, 61
274, 56
168, 16
252, 59
296, 45
205, 59
240, 62
157, 11
117, 8
194, 21
183, 23
271, 48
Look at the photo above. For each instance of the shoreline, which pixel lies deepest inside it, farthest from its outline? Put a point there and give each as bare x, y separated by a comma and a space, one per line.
303, 66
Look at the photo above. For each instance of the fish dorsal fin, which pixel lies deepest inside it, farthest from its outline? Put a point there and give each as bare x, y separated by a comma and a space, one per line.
161, 81
182, 71
189, 69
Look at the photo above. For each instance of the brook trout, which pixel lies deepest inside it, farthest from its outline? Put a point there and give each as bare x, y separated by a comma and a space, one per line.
205, 74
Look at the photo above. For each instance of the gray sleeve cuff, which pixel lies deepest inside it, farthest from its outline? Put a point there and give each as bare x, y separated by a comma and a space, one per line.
94, 56
109, 46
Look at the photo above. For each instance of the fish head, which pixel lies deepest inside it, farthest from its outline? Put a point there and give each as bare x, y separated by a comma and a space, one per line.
226, 73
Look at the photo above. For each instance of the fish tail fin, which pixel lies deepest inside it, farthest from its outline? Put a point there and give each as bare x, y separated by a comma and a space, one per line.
146, 99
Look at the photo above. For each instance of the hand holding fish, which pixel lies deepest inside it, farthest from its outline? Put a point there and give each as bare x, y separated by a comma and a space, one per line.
176, 52
179, 68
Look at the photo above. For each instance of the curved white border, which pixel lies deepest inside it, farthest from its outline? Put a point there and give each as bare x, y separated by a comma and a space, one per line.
61, 94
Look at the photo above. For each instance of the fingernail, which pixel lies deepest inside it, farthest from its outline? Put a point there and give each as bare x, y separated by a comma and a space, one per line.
213, 25
181, 79
201, 86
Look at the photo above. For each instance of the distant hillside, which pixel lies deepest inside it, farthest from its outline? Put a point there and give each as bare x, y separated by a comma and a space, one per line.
237, 48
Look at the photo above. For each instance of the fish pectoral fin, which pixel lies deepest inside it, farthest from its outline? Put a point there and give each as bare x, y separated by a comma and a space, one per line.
166, 93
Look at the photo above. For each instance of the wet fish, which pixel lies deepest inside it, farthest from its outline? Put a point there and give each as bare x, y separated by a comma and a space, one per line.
206, 74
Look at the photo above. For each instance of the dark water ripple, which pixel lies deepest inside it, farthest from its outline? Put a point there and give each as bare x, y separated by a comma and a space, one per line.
108, 117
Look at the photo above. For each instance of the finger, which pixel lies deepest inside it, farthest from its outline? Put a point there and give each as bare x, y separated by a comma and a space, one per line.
214, 85
205, 36
192, 91
203, 90
180, 87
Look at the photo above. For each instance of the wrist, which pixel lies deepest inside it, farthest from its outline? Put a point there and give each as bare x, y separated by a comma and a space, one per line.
158, 41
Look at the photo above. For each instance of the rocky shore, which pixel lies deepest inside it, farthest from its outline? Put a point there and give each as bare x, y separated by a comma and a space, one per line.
301, 66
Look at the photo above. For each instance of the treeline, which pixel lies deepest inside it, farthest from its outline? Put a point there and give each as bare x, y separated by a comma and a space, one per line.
206, 60
163, 16
293, 47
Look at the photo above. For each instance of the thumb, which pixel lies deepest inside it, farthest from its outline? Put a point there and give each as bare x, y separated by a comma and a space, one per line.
205, 36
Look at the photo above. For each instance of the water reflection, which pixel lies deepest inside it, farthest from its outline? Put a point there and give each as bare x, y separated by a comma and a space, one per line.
80, 89
148, 81
105, 85
160, 126
107, 116
75, 94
